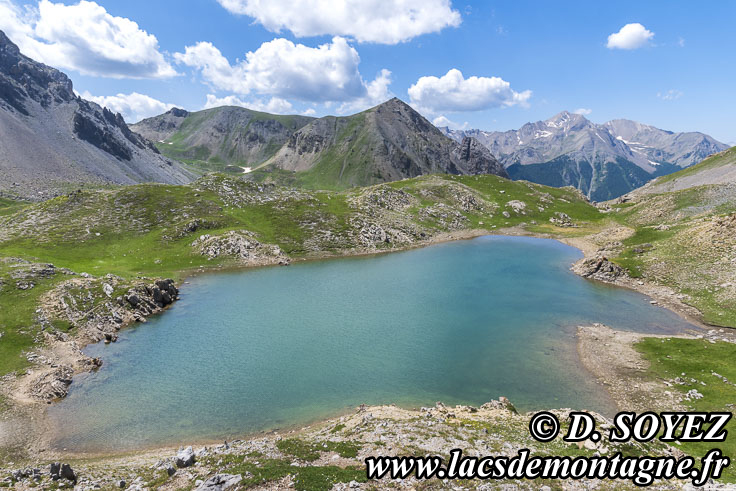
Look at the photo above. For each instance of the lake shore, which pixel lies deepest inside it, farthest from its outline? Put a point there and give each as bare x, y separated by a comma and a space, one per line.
26, 413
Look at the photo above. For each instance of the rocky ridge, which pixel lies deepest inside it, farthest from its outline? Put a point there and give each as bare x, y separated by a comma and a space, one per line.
52, 140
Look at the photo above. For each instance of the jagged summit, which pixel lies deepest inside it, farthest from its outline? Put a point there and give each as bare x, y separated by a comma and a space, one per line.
51, 139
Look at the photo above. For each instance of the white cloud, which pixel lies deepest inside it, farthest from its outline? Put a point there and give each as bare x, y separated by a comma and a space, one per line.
309, 112
133, 107
441, 121
274, 105
452, 92
375, 21
85, 38
583, 111
630, 36
670, 95
376, 92
681, 42
283, 69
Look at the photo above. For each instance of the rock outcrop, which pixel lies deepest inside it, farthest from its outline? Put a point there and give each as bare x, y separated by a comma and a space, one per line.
599, 268
241, 245
475, 158
185, 458
220, 482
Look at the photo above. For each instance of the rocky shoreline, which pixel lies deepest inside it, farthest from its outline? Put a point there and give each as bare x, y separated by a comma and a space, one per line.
330, 454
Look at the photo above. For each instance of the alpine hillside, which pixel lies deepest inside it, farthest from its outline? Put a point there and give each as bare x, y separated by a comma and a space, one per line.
386, 143
603, 161
220, 139
52, 140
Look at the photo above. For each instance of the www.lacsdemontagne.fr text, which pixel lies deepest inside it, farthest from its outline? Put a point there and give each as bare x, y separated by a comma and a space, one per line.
641, 470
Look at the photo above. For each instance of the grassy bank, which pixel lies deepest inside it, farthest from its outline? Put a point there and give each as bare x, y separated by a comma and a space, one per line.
703, 366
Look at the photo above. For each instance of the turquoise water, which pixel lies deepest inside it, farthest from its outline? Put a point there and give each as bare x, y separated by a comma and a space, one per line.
461, 322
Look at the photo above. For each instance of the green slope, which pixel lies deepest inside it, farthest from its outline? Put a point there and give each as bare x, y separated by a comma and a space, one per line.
727, 157
223, 139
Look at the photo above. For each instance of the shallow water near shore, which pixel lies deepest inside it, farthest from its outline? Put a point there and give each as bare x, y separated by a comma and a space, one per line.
248, 351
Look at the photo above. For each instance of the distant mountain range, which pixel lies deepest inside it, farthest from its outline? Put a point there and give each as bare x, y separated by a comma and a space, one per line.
603, 161
388, 142
51, 140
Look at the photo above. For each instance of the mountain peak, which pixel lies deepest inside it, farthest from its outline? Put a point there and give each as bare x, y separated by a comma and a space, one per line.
178, 112
566, 116
393, 104
6, 43
9, 52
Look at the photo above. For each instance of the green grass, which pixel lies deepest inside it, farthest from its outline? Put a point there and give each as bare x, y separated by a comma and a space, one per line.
310, 451
10, 206
17, 320
698, 359
632, 258
265, 471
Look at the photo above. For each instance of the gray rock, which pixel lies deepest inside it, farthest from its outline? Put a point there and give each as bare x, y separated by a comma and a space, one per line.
67, 473
599, 268
185, 458
220, 482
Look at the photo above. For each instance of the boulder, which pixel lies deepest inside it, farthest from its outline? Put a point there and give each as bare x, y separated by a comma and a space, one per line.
66, 472
185, 458
108, 289
599, 268
62, 471
220, 482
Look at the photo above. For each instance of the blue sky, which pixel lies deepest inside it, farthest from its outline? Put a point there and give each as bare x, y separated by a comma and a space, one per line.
531, 59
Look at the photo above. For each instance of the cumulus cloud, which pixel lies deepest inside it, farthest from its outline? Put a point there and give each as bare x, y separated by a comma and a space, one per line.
85, 38
375, 21
630, 36
442, 121
280, 68
274, 105
584, 111
133, 106
453, 93
670, 95
376, 92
